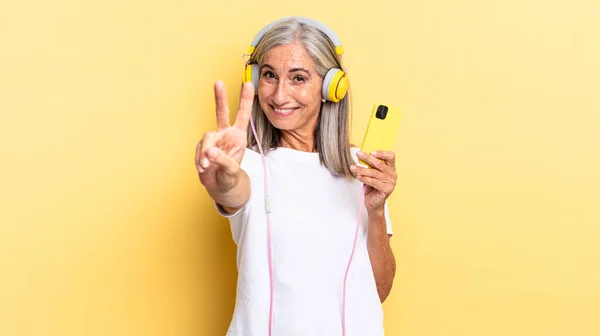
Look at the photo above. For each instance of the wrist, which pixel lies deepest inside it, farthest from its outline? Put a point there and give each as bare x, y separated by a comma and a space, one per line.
234, 194
378, 213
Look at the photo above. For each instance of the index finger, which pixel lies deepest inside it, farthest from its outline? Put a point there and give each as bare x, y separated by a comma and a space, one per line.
245, 110
222, 108
387, 156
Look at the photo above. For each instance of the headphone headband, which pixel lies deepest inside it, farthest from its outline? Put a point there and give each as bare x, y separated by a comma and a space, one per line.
335, 82
339, 49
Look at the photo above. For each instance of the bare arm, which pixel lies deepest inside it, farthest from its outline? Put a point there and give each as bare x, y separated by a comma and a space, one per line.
382, 258
379, 181
219, 153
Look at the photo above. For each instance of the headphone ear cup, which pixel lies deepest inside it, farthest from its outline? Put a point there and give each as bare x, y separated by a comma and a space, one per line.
251, 74
335, 85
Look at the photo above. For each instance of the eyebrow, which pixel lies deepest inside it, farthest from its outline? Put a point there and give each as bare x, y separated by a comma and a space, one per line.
291, 70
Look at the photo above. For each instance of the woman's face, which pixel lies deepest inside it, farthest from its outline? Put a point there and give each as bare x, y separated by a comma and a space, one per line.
289, 89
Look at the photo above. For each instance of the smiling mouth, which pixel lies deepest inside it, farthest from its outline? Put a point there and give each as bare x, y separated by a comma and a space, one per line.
283, 111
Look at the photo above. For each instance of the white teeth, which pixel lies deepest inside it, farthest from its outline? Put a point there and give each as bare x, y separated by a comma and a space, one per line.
284, 110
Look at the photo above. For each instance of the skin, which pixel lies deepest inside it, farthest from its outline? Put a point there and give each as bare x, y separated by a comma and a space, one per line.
288, 79
289, 92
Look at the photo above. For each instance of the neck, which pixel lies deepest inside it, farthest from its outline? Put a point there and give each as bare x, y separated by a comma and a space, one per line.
298, 140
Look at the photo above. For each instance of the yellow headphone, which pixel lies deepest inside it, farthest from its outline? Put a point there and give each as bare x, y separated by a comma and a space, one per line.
335, 83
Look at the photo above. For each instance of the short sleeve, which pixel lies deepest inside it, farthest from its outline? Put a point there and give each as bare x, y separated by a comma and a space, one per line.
388, 220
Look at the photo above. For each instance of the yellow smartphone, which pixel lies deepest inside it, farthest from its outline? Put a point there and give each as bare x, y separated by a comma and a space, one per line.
382, 129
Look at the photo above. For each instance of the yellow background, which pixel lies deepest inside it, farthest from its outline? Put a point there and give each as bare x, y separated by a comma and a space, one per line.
105, 229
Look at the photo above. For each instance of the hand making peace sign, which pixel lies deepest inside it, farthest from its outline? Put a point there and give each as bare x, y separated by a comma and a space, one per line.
220, 152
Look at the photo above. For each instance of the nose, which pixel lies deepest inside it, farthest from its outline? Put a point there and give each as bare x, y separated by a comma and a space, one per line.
282, 93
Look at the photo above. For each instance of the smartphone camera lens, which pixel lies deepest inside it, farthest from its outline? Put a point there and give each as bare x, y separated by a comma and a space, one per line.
381, 112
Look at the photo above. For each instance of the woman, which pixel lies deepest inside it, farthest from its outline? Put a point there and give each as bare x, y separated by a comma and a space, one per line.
294, 253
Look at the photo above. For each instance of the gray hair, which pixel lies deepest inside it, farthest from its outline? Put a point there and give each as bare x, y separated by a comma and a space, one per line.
332, 135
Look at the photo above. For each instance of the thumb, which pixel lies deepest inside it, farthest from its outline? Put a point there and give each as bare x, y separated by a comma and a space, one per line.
219, 157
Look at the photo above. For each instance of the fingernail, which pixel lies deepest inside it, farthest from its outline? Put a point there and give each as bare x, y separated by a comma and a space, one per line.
360, 154
373, 153
353, 167
205, 163
200, 170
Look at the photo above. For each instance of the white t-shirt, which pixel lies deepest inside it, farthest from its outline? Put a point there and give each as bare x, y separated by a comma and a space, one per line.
313, 220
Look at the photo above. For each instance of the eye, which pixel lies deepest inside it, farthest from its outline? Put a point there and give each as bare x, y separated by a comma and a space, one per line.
299, 79
269, 74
